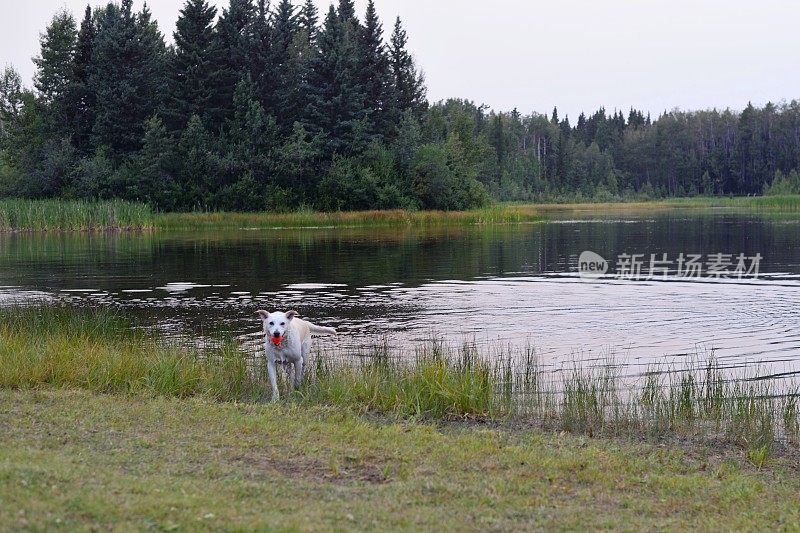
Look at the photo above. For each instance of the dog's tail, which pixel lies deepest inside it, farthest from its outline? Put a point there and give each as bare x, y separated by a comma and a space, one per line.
313, 328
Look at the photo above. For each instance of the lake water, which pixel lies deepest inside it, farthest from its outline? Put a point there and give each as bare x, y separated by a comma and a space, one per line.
503, 285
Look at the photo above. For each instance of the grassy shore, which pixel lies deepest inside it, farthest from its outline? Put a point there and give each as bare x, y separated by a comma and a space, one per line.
788, 203
74, 215
496, 214
99, 351
73, 460
109, 425
64, 215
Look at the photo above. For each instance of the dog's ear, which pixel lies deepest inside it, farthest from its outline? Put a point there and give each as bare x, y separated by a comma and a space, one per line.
263, 314
291, 314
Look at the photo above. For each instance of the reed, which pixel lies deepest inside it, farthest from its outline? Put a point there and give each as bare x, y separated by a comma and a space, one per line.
73, 215
102, 351
495, 214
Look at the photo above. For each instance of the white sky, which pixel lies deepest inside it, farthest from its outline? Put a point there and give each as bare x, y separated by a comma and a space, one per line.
576, 54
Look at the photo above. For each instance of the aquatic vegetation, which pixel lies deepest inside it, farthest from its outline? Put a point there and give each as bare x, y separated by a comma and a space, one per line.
73, 215
500, 213
82, 215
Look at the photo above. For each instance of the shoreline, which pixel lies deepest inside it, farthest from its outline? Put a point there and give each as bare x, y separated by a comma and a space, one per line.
102, 351
68, 216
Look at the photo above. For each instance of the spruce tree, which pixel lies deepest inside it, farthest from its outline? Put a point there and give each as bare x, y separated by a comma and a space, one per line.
192, 78
308, 19
409, 85
336, 106
260, 54
81, 99
199, 171
153, 178
151, 75
375, 74
128, 77
10, 101
347, 11
232, 40
284, 102
54, 72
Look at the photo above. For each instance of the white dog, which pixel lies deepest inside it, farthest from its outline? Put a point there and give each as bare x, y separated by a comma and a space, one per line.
287, 339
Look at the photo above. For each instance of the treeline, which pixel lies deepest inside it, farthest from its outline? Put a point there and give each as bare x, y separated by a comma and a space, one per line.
273, 107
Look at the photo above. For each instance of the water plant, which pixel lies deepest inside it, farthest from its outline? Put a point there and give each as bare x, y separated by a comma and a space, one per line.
73, 215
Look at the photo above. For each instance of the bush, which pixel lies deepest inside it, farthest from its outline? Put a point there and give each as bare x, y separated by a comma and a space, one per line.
783, 185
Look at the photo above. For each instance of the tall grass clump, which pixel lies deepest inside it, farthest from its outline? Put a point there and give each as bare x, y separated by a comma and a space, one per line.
102, 351
787, 202
430, 383
74, 215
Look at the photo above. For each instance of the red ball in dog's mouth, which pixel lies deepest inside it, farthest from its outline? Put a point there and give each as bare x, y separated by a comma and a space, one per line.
276, 340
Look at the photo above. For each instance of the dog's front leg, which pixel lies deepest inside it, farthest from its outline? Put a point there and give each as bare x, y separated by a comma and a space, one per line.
273, 380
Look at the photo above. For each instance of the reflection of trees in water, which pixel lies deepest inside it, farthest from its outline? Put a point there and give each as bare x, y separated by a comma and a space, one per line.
268, 260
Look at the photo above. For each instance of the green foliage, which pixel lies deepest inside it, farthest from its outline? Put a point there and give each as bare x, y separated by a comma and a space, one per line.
443, 178
270, 108
783, 184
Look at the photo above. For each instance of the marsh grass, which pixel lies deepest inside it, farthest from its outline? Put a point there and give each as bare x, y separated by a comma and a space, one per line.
82, 215
73, 215
99, 350
494, 214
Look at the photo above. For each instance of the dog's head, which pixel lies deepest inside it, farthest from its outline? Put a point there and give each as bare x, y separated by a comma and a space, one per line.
276, 324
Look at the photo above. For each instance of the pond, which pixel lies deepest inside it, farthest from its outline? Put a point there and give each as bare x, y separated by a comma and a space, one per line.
498, 285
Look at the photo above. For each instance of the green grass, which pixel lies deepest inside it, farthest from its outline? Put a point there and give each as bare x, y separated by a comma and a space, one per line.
185, 439
789, 203
496, 214
73, 215
72, 460
78, 215
99, 351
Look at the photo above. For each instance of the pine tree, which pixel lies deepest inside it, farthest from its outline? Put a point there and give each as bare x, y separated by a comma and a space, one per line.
191, 76
54, 73
375, 74
408, 84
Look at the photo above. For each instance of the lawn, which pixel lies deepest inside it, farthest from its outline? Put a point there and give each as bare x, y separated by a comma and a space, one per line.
77, 460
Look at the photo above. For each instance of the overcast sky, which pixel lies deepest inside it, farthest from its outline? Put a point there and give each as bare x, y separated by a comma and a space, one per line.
574, 54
